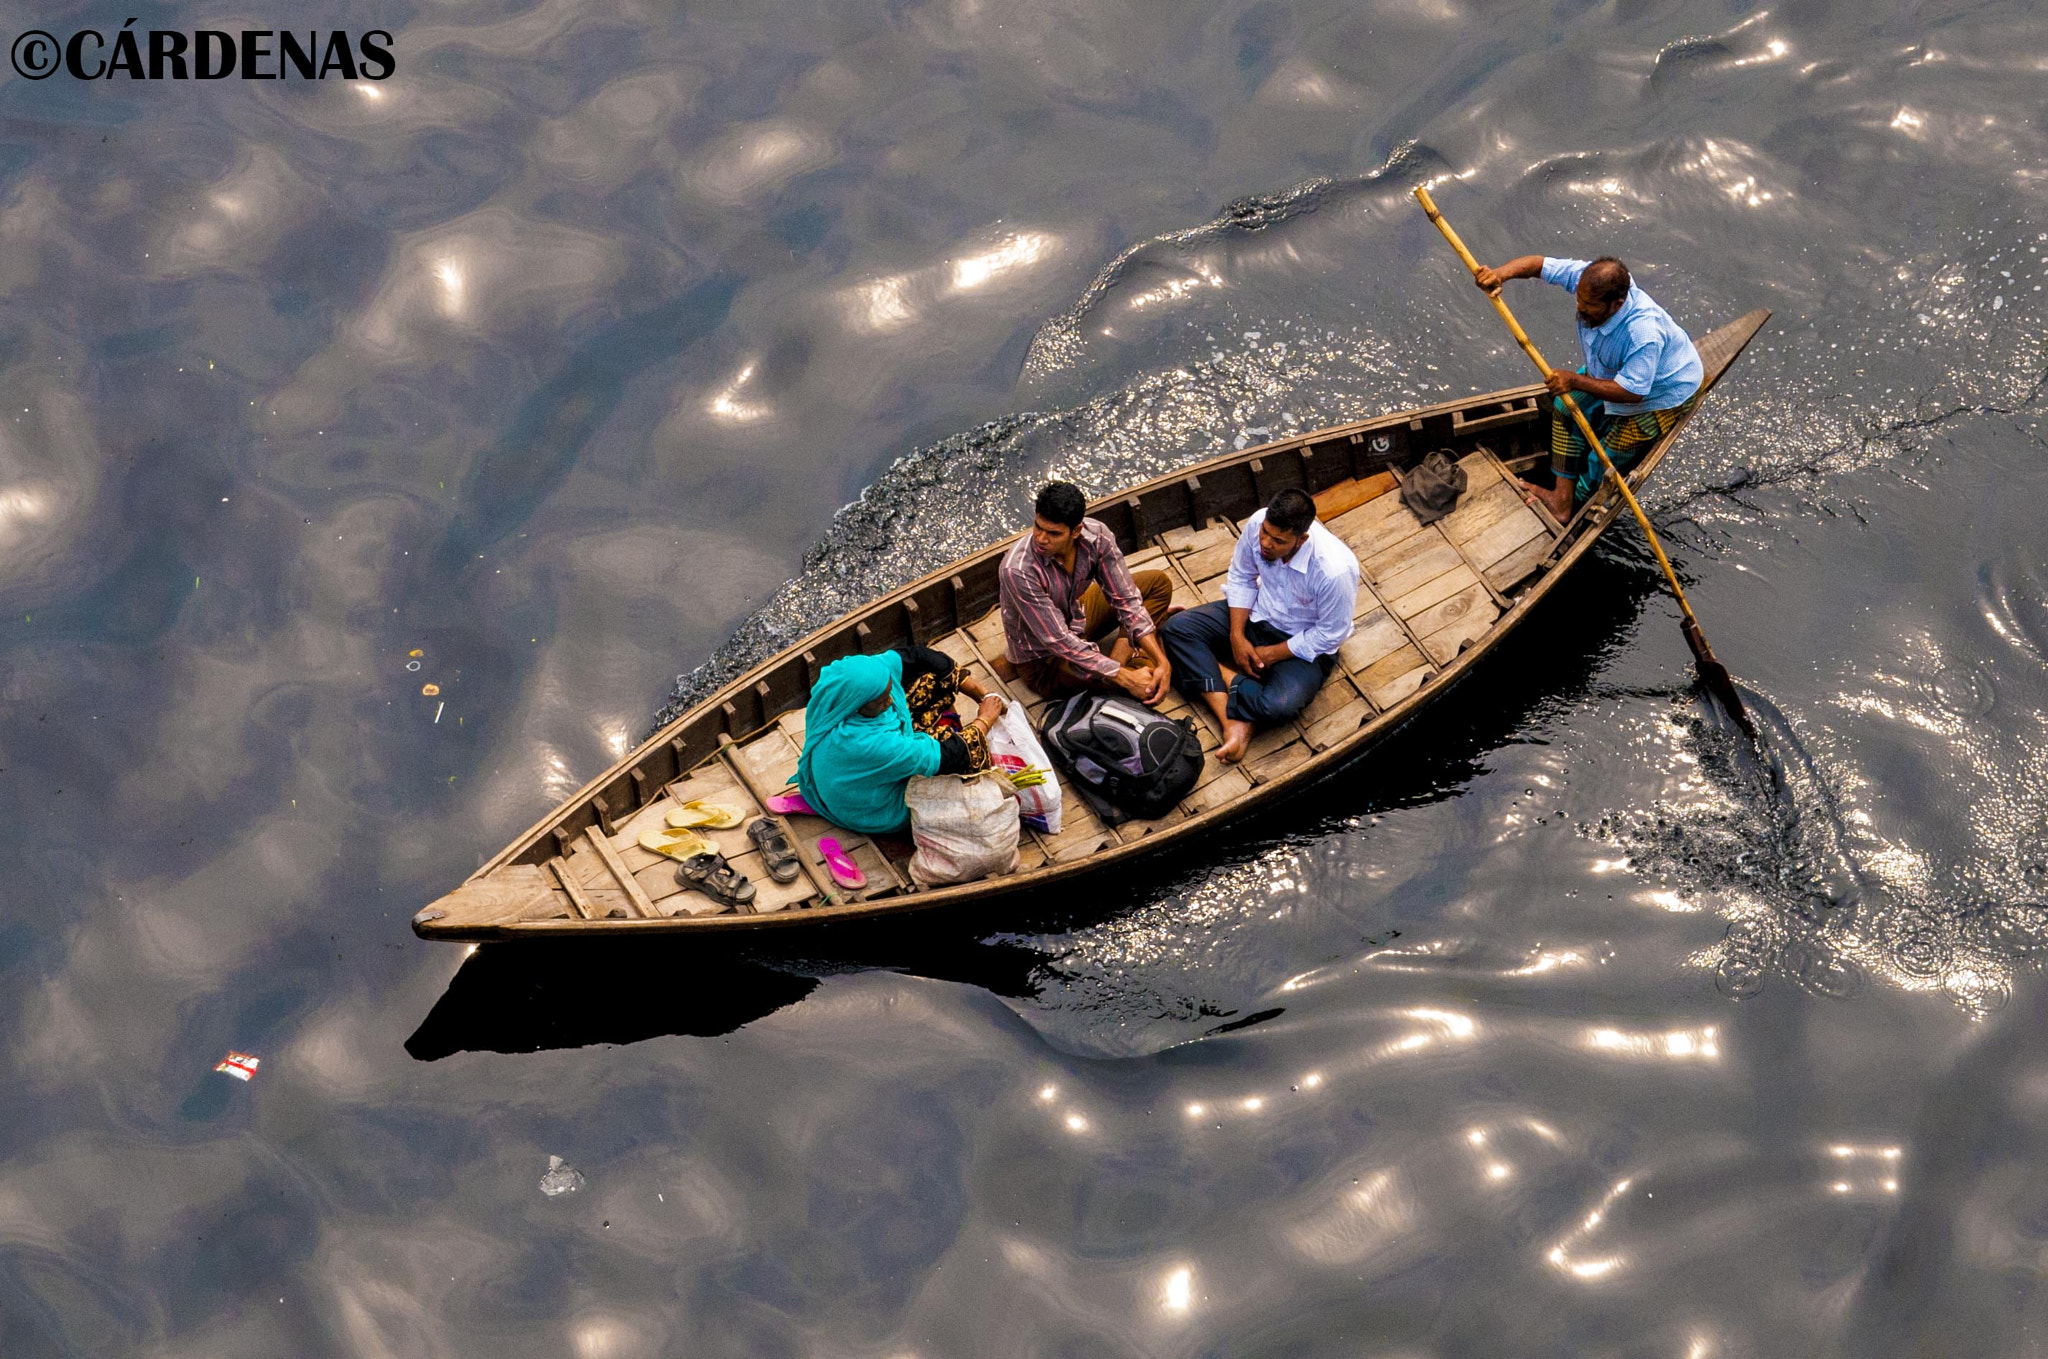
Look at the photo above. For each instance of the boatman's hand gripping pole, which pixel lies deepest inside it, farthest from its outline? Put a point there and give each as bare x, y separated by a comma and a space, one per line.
1718, 681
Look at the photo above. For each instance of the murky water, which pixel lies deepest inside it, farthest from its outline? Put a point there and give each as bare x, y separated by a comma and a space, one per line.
1564, 1026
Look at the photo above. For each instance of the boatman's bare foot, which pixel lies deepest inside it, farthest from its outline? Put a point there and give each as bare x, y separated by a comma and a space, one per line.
1555, 498
1236, 736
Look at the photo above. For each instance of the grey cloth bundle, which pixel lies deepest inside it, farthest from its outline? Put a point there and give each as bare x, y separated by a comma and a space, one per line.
1433, 488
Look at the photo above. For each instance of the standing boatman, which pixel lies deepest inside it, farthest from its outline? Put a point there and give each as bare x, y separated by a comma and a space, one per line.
1641, 371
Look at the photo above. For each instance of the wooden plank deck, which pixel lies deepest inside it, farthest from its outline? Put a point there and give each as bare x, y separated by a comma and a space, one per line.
1426, 591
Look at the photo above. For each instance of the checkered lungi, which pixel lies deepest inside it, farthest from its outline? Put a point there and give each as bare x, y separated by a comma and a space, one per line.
1626, 438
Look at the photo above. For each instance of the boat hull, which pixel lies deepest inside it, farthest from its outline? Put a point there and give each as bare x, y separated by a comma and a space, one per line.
558, 878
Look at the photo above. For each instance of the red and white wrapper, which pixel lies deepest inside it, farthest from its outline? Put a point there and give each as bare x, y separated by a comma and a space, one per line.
240, 1065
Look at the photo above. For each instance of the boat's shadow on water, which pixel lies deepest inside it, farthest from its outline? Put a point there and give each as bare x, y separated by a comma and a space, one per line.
527, 997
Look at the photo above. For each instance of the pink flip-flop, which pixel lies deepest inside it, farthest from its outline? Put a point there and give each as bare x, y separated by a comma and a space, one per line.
790, 804
844, 870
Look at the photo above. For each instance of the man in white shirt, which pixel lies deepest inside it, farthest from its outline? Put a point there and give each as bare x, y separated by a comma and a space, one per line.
1258, 655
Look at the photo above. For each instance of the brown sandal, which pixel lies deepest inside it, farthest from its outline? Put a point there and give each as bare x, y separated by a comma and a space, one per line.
783, 865
717, 879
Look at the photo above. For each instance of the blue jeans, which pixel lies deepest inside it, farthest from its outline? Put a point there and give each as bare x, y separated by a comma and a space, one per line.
1197, 639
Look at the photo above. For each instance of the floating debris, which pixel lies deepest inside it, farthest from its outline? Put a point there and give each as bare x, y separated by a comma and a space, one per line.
562, 1178
430, 689
240, 1065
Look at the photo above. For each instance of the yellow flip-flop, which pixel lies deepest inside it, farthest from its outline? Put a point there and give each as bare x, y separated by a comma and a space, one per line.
679, 843
708, 815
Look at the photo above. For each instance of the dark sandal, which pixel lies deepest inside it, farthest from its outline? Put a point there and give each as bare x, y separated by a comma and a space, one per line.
783, 865
717, 879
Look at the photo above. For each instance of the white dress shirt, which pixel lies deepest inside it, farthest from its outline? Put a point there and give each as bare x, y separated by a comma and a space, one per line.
1310, 596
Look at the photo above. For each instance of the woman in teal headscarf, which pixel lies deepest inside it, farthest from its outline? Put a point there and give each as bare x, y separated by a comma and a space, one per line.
864, 740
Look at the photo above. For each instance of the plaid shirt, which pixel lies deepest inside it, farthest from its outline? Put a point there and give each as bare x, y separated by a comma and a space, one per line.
1042, 615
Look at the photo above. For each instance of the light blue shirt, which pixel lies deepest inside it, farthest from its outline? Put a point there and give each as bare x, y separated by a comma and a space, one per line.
1640, 346
1310, 596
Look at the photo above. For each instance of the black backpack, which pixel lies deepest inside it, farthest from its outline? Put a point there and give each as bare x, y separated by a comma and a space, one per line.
1124, 759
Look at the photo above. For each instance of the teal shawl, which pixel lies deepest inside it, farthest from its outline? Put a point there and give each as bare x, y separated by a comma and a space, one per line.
854, 768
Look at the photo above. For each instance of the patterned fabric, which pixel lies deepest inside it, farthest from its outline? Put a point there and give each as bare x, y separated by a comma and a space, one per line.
1043, 618
1626, 437
931, 697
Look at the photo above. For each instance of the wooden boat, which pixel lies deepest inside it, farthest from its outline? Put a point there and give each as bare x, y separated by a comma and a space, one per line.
1434, 599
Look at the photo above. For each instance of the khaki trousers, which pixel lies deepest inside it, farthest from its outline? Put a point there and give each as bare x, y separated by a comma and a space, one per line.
1054, 678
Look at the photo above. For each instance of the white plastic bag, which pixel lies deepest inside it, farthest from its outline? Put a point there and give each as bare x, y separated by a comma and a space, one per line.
1014, 747
965, 827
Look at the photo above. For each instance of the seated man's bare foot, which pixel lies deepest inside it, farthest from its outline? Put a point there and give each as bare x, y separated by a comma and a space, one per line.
1236, 736
1004, 670
1229, 676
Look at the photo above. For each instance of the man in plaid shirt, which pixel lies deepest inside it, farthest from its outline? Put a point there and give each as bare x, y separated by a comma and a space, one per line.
1065, 588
